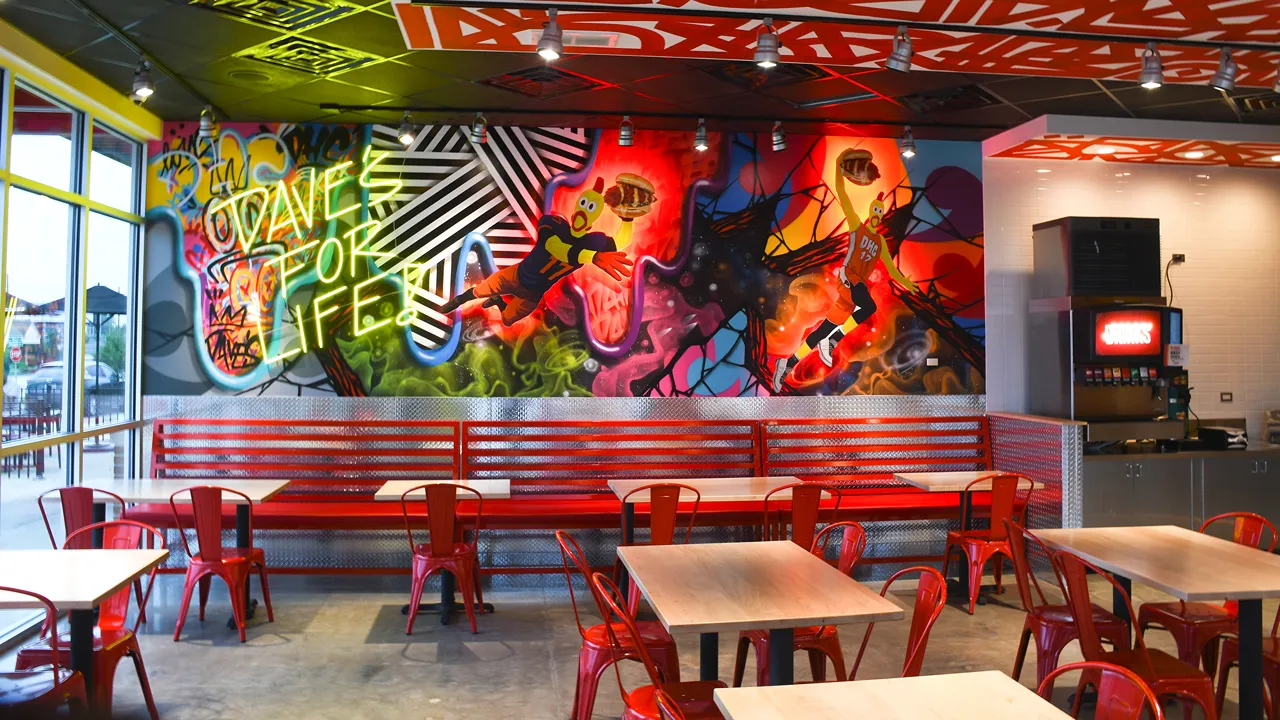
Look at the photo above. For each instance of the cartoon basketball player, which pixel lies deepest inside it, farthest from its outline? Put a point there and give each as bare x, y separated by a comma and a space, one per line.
564, 246
866, 247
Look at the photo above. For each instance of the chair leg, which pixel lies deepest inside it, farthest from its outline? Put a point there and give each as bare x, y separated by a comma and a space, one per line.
204, 594
997, 568
740, 660
187, 589
137, 593
237, 584
466, 583
479, 589
975, 568
136, 654
1224, 671
266, 592
1021, 657
817, 665
591, 665
415, 595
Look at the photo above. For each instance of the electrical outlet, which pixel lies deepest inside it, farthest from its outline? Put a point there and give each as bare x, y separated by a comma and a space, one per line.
1225, 397
1179, 258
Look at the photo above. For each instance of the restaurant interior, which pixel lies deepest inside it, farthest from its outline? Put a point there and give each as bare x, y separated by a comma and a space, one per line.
523, 359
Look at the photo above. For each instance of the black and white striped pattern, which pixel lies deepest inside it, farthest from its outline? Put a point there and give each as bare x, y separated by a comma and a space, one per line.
453, 187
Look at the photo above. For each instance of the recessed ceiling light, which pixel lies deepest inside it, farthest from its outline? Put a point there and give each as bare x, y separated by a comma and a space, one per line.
1043, 170
1125, 174
1193, 154
1206, 177
1099, 150
1275, 158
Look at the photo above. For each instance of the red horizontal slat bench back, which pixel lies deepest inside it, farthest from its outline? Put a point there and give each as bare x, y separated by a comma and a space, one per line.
322, 459
864, 453
580, 456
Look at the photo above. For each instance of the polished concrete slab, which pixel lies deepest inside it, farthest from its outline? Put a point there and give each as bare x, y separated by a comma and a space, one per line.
338, 650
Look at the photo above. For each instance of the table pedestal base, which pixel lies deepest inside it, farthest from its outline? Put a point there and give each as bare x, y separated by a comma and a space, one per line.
447, 605
709, 656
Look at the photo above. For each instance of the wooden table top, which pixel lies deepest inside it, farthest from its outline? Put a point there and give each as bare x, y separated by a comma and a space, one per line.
72, 579
148, 490
989, 695
726, 587
953, 480
490, 489
1174, 560
712, 489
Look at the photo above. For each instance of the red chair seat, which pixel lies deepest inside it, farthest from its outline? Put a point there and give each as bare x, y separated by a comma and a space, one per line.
462, 548
1164, 667
233, 555
39, 653
20, 688
651, 632
695, 698
1192, 612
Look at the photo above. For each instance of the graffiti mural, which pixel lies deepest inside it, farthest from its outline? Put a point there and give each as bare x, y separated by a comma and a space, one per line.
297, 259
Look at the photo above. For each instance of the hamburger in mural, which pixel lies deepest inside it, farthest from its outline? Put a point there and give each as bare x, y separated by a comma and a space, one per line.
857, 167
631, 196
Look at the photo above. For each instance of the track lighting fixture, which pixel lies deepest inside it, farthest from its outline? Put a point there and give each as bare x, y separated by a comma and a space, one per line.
900, 58
1152, 75
700, 142
908, 145
143, 86
208, 124
626, 132
406, 134
480, 130
767, 45
1225, 78
779, 137
551, 44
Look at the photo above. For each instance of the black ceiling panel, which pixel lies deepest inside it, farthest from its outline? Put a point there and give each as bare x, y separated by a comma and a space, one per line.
280, 15
688, 85
469, 65
395, 77
333, 91
1027, 89
373, 33
543, 82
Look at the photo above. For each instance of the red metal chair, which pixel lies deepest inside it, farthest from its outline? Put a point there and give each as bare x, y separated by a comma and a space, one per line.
664, 503
1122, 695
695, 699
1230, 657
446, 548
112, 641
77, 511
1166, 674
597, 654
980, 546
233, 565
803, 508
41, 692
931, 597
820, 642
668, 708
1050, 625
1196, 626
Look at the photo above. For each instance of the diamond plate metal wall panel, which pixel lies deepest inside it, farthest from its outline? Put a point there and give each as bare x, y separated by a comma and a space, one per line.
1040, 449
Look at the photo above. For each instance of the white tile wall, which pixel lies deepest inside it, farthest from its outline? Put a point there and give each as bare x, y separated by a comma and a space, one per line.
1226, 221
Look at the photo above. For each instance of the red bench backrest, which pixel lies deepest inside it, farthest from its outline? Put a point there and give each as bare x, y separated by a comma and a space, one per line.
866, 452
580, 456
322, 459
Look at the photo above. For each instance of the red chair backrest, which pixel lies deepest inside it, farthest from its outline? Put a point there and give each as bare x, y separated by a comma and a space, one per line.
931, 597
852, 544
1004, 496
1248, 529
1074, 572
120, 535
805, 504
77, 511
664, 504
1122, 695
1019, 540
444, 527
615, 614
668, 708
571, 553
50, 620
206, 514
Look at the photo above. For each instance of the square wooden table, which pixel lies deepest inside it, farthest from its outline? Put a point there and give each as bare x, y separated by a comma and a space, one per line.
393, 490
1191, 566
728, 587
76, 581
989, 695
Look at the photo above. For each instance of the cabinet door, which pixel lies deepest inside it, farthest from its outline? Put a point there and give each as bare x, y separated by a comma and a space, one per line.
1242, 482
1164, 492
1108, 492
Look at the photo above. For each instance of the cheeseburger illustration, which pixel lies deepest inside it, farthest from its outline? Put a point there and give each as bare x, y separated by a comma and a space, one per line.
857, 167
631, 197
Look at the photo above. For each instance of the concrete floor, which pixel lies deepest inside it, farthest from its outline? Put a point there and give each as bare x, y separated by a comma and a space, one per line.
338, 650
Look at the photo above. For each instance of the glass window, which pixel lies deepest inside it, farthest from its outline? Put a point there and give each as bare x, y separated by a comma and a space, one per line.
112, 169
43, 145
108, 340
21, 527
36, 286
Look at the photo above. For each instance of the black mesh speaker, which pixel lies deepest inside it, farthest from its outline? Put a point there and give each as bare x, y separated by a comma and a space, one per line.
1097, 257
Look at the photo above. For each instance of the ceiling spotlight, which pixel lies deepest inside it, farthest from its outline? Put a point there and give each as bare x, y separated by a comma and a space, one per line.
208, 124
767, 45
1225, 78
908, 145
406, 134
900, 58
1152, 75
1193, 154
143, 86
700, 142
551, 44
626, 132
1275, 158
480, 130
1099, 150
779, 137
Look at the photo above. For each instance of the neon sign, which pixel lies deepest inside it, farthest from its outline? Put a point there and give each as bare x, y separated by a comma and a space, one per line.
1127, 332
331, 260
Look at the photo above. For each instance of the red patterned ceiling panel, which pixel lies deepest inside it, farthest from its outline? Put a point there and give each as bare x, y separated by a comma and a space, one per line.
1147, 150
619, 32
